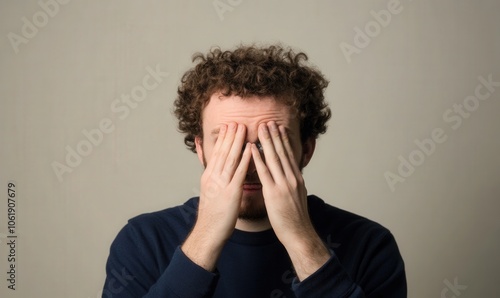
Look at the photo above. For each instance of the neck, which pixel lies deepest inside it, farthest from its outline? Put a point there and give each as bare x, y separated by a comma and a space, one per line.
253, 225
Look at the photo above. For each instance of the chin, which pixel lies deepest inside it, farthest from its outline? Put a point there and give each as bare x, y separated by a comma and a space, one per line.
253, 215
253, 208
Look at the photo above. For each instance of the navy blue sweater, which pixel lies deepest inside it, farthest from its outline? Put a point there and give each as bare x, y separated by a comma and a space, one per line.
146, 261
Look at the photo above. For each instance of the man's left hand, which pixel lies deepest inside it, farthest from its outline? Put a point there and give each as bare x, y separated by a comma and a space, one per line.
285, 196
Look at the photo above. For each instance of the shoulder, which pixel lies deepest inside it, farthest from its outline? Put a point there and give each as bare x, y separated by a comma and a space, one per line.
164, 227
181, 216
330, 220
356, 240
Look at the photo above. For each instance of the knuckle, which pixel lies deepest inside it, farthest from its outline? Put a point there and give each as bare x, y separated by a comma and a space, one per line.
296, 182
226, 177
284, 137
281, 152
215, 154
231, 162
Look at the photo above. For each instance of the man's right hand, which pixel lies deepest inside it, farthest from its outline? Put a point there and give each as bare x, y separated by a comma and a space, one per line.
220, 196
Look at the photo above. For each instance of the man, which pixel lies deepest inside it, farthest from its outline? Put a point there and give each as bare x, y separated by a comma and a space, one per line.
252, 115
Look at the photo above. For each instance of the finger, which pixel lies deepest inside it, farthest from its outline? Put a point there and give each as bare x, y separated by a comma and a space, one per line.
280, 150
233, 158
218, 143
242, 168
223, 151
289, 151
273, 161
264, 174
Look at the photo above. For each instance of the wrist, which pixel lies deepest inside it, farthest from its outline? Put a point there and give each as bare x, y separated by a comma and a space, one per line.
202, 248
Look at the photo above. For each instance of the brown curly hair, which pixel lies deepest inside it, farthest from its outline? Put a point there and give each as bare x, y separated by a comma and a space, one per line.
252, 71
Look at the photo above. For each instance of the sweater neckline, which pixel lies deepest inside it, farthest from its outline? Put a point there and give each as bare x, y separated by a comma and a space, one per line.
253, 238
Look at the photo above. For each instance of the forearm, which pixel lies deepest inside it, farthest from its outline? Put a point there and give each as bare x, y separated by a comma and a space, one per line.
381, 273
330, 280
308, 253
143, 264
182, 278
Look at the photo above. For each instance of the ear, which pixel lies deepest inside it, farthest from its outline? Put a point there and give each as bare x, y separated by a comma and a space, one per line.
199, 149
308, 150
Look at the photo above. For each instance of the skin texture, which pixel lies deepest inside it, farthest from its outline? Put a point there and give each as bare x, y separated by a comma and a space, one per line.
252, 190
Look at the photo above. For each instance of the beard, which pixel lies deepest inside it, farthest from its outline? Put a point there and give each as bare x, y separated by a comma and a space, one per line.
253, 207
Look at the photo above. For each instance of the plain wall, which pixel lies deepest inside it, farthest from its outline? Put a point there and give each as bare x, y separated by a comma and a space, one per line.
396, 88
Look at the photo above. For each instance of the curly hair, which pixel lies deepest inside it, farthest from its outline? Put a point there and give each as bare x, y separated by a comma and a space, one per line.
253, 71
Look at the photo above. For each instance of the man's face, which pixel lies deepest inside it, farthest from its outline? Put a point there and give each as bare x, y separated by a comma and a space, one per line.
250, 112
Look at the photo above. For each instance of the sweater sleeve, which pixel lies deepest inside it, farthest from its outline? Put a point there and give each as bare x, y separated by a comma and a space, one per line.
382, 275
133, 271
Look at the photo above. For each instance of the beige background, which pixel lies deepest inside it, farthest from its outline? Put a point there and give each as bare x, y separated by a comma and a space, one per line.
395, 90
